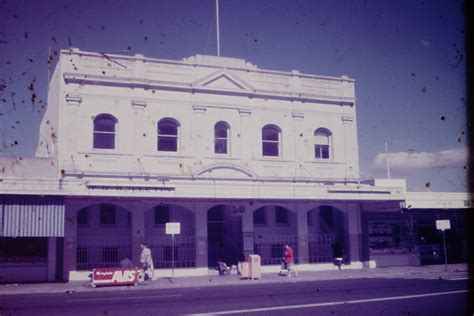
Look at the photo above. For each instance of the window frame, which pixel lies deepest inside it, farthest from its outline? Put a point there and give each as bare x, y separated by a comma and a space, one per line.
106, 207
174, 137
98, 133
322, 149
265, 217
272, 142
287, 216
166, 209
226, 139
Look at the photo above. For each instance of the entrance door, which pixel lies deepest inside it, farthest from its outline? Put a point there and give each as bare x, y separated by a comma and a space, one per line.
224, 235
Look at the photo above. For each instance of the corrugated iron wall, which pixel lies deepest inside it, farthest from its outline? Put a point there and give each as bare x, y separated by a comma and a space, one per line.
32, 216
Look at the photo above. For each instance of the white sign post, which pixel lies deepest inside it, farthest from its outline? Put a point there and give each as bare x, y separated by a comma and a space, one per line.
442, 225
172, 229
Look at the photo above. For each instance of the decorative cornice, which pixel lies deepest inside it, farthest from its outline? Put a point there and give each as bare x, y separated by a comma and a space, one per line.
73, 99
139, 104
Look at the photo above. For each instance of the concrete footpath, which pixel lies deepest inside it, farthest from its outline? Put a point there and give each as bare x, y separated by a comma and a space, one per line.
454, 272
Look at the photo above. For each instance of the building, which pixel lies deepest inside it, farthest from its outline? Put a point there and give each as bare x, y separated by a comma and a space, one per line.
245, 159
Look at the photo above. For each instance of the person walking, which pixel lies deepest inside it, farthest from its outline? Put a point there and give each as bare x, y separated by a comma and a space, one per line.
147, 262
288, 260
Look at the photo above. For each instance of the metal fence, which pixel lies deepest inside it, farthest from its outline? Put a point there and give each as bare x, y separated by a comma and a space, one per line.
271, 251
101, 252
162, 251
320, 248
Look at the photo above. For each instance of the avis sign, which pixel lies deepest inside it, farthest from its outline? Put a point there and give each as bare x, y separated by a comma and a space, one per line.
115, 276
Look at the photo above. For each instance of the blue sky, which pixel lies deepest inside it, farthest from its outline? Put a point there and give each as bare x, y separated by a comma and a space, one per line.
407, 58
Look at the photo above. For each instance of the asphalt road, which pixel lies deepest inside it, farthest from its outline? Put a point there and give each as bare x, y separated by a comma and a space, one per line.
336, 297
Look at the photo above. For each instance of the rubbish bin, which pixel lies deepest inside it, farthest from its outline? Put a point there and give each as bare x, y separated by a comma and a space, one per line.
254, 267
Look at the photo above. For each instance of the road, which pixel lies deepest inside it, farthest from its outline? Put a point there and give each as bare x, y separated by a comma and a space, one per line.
336, 297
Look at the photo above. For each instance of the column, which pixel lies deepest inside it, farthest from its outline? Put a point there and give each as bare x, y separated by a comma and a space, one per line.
353, 232
51, 259
200, 217
138, 232
303, 251
70, 240
247, 232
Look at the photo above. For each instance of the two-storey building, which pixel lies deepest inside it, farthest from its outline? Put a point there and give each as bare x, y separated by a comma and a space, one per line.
245, 159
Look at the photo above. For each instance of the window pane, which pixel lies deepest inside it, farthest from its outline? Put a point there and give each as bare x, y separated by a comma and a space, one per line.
167, 127
82, 217
259, 216
220, 146
107, 214
322, 138
270, 149
162, 214
104, 124
270, 133
325, 151
220, 131
167, 143
321, 151
104, 140
281, 215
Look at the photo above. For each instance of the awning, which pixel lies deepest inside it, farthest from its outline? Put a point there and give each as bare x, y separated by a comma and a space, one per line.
32, 216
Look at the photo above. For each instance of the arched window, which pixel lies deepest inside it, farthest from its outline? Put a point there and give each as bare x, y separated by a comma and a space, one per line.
104, 131
322, 144
168, 135
271, 141
221, 138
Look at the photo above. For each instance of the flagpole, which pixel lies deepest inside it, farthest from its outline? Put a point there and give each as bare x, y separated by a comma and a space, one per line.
386, 160
217, 27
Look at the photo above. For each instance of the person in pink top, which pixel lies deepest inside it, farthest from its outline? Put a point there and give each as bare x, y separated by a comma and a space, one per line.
288, 260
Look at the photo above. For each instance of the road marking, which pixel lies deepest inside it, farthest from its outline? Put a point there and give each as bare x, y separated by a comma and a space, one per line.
122, 298
369, 300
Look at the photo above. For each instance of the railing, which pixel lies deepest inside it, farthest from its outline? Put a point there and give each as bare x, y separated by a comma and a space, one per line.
101, 252
162, 249
271, 250
320, 248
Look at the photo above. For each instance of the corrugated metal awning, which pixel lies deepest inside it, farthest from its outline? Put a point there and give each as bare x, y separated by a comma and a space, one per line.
32, 216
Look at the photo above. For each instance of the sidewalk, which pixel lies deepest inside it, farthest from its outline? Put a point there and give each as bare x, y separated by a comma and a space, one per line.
233, 279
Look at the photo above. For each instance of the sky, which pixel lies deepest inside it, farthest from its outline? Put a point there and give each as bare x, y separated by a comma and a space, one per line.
407, 58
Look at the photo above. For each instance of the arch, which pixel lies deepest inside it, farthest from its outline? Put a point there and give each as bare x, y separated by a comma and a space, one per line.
325, 231
229, 166
161, 244
221, 138
271, 140
224, 235
275, 226
103, 236
104, 131
322, 143
167, 134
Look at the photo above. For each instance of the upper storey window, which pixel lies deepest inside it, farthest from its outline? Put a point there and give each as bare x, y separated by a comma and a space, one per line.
221, 138
271, 141
104, 131
168, 135
322, 143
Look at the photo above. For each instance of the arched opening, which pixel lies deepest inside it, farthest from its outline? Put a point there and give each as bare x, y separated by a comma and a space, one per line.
103, 236
325, 233
274, 227
224, 235
161, 244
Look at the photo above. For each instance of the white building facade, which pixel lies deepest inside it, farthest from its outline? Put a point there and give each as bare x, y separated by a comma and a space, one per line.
246, 160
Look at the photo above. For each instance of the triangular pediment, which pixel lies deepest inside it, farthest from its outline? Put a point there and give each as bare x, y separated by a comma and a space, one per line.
222, 79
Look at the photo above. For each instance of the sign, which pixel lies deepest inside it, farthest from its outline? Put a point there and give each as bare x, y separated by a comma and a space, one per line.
115, 276
443, 224
173, 228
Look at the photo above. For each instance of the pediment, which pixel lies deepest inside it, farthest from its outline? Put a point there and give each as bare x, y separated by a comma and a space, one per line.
223, 79
224, 171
